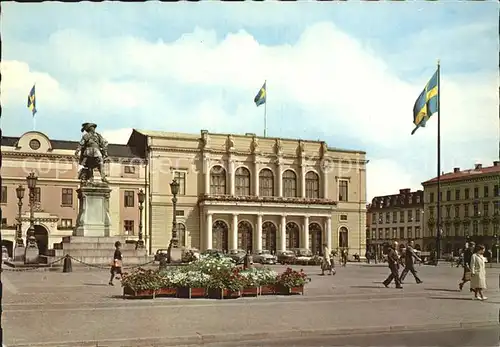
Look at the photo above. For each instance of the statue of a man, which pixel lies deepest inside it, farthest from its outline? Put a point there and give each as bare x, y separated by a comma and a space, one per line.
91, 153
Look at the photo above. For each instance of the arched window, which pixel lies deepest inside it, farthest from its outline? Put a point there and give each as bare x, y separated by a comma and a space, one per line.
289, 184
266, 183
242, 181
312, 185
315, 238
343, 238
292, 235
220, 236
245, 236
269, 236
181, 234
217, 180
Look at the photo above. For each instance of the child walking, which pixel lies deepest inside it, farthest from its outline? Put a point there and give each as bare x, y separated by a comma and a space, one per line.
116, 267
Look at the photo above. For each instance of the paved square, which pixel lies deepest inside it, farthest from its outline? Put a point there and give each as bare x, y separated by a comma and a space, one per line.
57, 309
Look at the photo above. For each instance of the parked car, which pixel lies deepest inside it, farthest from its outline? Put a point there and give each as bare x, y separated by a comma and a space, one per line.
302, 255
264, 257
216, 253
161, 253
286, 257
238, 255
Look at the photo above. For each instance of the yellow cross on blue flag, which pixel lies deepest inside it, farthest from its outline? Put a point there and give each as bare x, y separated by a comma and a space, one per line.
260, 98
32, 101
427, 103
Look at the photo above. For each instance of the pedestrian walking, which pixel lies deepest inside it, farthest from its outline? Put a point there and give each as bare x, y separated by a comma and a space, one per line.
393, 261
478, 273
116, 265
327, 261
344, 256
410, 257
466, 263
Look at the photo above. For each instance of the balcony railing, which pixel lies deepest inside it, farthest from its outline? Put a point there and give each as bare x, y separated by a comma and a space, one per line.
266, 199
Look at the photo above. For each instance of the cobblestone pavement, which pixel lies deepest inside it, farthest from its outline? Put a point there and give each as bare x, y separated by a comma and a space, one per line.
57, 308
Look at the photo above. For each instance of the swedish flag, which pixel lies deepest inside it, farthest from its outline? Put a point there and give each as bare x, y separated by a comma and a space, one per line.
260, 98
427, 103
32, 101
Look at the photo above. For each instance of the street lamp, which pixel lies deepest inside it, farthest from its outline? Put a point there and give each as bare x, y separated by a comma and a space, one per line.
174, 253
497, 246
140, 197
19, 248
31, 250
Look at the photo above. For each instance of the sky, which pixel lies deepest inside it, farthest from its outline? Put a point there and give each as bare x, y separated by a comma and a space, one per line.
347, 73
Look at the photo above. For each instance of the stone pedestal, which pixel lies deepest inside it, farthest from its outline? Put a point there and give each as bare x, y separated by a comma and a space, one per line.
31, 255
93, 215
18, 253
174, 253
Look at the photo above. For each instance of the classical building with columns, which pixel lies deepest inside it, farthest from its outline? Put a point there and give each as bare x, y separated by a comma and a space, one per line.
253, 193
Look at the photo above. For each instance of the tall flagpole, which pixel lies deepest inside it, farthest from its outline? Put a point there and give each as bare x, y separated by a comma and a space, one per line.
265, 110
438, 221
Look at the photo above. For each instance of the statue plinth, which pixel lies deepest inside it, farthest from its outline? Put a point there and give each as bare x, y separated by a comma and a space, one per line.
93, 214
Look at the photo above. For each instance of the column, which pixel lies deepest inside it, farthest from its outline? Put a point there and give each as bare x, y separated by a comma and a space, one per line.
206, 173
208, 231
328, 232
283, 233
230, 165
325, 183
256, 170
279, 179
302, 181
258, 234
233, 241
306, 233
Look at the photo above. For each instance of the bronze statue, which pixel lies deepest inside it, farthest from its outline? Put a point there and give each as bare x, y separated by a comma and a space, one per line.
91, 152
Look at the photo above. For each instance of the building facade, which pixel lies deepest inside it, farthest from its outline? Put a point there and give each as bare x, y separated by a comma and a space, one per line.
470, 208
56, 201
397, 217
253, 193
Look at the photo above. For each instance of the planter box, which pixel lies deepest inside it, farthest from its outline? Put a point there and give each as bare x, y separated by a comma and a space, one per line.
215, 293
267, 290
138, 293
166, 292
189, 293
250, 291
289, 290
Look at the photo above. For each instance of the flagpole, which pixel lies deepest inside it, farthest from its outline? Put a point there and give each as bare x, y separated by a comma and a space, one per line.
438, 222
265, 110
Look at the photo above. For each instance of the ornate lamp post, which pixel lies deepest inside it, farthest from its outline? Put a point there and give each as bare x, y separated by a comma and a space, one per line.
31, 250
140, 197
19, 248
174, 253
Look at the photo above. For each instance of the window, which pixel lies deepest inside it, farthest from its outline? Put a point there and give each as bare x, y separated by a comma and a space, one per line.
394, 233
387, 217
242, 181
217, 180
486, 229
431, 212
181, 234
4, 221
466, 229
343, 237
476, 210
418, 212
343, 190
417, 199
38, 194
457, 211
180, 177
266, 183
394, 217
496, 190
495, 229
457, 229
129, 198
387, 232
496, 208
66, 223
289, 184
466, 210
410, 215
448, 211
457, 194
401, 233
466, 193
486, 192
402, 216
448, 195
4, 194
476, 193
380, 234
128, 226
129, 169
343, 217
409, 232
374, 218
373, 234
312, 185
475, 228
179, 213
417, 232
431, 197
67, 197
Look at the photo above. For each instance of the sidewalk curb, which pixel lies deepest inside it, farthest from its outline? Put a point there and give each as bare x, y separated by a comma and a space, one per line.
201, 339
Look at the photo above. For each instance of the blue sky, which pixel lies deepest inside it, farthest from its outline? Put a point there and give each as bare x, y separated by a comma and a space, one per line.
344, 72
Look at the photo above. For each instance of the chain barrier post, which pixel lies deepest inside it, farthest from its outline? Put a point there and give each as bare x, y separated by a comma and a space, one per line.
67, 266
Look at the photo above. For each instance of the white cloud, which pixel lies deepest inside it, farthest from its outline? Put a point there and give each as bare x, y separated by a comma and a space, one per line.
338, 83
119, 136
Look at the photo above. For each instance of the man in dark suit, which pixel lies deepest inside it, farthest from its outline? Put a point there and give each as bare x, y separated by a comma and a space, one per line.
393, 260
410, 256
467, 258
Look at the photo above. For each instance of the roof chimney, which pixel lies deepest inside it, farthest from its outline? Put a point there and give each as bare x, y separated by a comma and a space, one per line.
479, 166
456, 169
496, 163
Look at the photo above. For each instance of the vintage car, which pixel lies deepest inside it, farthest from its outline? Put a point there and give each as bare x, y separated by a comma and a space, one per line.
238, 255
286, 257
302, 255
161, 253
264, 257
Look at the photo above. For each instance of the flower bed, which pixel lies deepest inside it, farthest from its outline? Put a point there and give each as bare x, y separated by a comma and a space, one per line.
214, 277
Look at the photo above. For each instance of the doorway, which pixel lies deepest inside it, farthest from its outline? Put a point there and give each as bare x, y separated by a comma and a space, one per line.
42, 239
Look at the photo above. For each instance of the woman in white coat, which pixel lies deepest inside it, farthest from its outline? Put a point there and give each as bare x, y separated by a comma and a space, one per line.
478, 273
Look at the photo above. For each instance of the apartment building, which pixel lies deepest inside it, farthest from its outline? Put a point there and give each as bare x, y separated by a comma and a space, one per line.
470, 207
